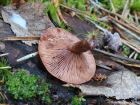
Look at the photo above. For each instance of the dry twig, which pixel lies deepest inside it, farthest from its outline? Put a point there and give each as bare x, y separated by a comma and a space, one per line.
15, 38
5, 54
117, 56
26, 57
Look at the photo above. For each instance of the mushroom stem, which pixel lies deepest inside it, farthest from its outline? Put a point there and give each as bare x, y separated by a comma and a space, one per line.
79, 47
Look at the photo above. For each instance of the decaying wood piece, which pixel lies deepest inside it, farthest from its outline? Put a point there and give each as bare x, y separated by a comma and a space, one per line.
122, 85
63, 63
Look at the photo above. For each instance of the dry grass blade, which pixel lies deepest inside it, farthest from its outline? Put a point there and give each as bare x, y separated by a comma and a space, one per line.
136, 55
134, 47
136, 30
136, 18
111, 13
126, 30
4, 97
125, 40
125, 9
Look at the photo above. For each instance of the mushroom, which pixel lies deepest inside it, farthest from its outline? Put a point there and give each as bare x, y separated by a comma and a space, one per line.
66, 57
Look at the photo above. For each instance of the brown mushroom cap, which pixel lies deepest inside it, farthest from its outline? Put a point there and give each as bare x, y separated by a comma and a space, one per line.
62, 63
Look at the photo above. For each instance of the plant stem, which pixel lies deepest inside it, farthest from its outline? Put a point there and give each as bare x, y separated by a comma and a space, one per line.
6, 67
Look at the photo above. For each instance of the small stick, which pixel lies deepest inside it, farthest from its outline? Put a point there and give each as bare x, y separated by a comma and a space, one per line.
117, 56
26, 57
137, 17
15, 38
136, 55
103, 66
126, 63
5, 54
132, 54
2, 96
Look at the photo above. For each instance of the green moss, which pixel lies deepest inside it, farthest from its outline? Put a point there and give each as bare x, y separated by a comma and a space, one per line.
77, 100
43, 92
24, 86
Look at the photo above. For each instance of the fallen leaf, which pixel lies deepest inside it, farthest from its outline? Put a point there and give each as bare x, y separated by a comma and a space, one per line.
32, 22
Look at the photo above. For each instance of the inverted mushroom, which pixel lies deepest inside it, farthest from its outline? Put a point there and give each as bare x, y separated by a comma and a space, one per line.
66, 57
